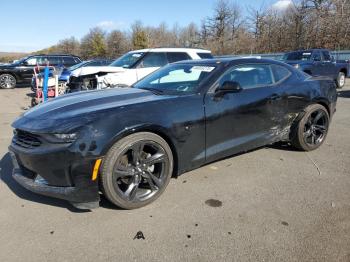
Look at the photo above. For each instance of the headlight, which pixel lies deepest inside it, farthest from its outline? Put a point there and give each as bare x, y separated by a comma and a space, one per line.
297, 66
61, 138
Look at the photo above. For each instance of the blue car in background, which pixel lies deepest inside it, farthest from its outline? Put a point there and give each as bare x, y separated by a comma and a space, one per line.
65, 73
319, 62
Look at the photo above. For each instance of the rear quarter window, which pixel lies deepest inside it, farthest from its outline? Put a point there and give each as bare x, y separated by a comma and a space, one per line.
280, 73
177, 56
205, 55
77, 60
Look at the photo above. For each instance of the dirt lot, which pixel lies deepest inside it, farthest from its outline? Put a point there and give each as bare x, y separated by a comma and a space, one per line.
273, 204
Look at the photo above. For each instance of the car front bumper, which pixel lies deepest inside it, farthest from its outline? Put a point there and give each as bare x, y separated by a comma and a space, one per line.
51, 175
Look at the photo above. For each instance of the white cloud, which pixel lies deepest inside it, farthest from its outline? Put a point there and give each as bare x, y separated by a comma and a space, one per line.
109, 25
282, 5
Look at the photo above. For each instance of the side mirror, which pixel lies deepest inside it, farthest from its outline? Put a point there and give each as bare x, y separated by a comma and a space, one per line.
25, 63
229, 87
317, 59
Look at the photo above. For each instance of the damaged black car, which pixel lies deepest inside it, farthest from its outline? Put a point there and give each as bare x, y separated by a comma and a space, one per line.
128, 143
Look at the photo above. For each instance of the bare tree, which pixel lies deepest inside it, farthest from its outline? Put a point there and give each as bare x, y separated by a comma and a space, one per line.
304, 24
117, 43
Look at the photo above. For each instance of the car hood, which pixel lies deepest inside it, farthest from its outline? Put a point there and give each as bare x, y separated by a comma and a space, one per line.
68, 112
5, 66
89, 70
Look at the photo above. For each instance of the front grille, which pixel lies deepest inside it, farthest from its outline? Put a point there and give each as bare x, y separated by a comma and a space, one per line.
25, 139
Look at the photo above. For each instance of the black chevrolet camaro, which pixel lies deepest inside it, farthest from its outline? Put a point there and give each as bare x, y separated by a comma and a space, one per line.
128, 143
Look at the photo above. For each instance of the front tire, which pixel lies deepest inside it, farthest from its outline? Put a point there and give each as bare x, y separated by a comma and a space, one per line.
7, 81
311, 131
136, 170
341, 79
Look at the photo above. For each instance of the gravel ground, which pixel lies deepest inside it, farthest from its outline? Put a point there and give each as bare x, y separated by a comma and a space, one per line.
272, 204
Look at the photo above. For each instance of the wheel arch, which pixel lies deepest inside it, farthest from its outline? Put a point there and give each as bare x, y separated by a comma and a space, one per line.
322, 102
158, 130
301, 114
10, 73
344, 70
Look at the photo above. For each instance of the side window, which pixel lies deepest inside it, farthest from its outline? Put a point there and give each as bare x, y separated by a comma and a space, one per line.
67, 60
42, 60
31, 61
54, 60
174, 57
326, 56
249, 76
154, 60
280, 73
317, 56
76, 60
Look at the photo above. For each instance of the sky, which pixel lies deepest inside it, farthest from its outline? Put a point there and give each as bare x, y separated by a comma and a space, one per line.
28, 26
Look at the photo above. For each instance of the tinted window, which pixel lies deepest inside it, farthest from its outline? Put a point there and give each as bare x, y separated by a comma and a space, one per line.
249, 76
154, 60
326, 56
174, 57
280, 72
94, 63
317, 56
205, 55
67, 60
77, 60
54, 60
299, 55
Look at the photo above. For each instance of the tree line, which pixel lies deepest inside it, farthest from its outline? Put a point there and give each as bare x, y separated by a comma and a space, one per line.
230, 29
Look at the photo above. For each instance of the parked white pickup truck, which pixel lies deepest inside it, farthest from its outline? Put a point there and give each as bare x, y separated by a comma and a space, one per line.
130, 68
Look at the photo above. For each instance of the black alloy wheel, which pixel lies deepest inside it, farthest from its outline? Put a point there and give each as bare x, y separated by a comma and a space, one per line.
316, 127
136, 170
311, 131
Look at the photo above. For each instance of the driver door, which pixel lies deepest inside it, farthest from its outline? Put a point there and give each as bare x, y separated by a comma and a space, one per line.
246, 119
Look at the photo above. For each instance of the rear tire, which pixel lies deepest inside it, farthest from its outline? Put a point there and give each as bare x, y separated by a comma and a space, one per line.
312, 129
341, 79
7, 81
136, 170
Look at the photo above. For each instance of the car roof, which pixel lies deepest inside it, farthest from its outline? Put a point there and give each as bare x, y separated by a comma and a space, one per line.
172, 49
231, 61
54, 55
308, 50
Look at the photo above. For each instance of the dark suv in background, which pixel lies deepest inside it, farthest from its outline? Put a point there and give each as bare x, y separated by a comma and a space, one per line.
21, 71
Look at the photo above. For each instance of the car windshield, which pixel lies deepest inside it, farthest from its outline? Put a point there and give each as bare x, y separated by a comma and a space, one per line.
176, 78
127, 60
297, 56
